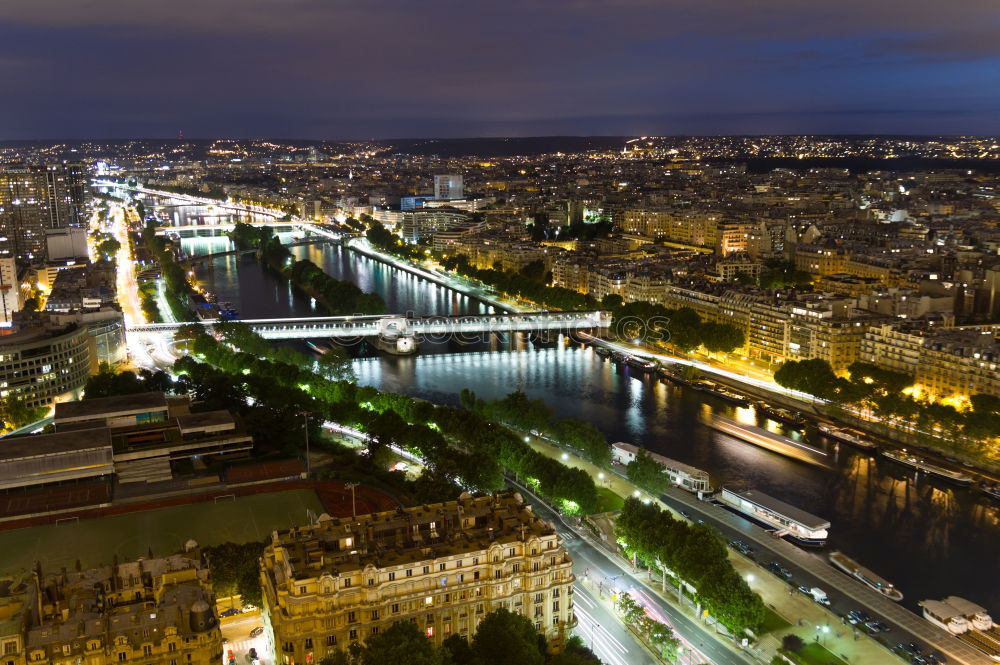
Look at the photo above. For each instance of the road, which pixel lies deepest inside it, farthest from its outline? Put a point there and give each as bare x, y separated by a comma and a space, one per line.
598, 574
844, 592
128, 289
236, 638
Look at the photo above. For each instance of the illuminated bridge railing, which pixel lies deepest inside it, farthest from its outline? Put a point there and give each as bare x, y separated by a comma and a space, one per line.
360, 326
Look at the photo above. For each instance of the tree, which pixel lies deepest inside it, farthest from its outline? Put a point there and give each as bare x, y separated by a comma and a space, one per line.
504, 638
108, 382
16, 413
400, 644
792, 643
236, 570
814, 376
459, 649
648, 474
612, 301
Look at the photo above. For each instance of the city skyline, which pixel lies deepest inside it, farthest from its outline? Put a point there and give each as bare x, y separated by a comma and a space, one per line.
390, 69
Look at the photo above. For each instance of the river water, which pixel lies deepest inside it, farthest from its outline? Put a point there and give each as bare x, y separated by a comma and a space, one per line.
930, 539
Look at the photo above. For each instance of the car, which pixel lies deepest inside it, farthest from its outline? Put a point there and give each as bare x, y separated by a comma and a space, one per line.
914, 648
882, 628
230, 613
855, 617
804, 589
779, 570
917, 659
936, 659
874, 626
257, 632
685, 513
249, 608
252, 653
741, 547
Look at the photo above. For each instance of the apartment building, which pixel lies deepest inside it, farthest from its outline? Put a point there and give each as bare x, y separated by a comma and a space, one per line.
442, 566
150, 611
960, 362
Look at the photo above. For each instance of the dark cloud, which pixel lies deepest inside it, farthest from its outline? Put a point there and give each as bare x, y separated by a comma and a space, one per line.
347, 68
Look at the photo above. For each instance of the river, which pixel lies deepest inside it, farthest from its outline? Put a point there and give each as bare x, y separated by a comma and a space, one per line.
929, 539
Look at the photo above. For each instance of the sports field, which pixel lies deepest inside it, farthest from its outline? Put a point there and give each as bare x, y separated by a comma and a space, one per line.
165, 530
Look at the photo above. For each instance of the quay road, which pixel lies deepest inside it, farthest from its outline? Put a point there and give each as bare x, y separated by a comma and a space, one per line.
594, 566
845, 592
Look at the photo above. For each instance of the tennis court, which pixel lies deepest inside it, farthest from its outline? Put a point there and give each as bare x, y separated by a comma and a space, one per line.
96, 541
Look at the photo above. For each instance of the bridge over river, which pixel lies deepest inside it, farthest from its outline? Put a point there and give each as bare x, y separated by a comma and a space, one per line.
394, 326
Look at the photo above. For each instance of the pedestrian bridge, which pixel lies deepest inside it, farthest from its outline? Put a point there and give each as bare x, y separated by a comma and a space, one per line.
402, 326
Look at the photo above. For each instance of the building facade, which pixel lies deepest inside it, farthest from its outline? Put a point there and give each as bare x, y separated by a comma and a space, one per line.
442, 566
34, 199
448, 187
39, 366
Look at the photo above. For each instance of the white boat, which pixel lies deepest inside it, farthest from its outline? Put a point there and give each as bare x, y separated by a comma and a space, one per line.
776, 515
945, 616
957, 615
859, 572
681, 475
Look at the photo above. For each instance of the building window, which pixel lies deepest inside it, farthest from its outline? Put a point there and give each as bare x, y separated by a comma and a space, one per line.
302, 590
555, 605
409, 572
442, 566
351, 617
309, 643
147, 650
374, 630
555, 621
374, 615
354, 634
331, 640
427, 569
392, 577
395, 608
347, 583
371, 581
516, 567
430, 631
122, 656
496, 574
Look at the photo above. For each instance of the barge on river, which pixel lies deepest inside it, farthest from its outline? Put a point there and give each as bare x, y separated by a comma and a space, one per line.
775, 515
681, 475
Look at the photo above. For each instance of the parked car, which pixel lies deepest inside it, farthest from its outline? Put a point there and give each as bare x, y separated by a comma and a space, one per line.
855, 617
230, 613
741, 547
779, 570
257, 632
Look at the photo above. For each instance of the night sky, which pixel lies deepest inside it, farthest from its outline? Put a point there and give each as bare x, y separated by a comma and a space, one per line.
410, 68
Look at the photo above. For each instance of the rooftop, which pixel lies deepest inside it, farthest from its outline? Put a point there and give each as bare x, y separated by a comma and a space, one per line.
785, 509
109, 406
406, 536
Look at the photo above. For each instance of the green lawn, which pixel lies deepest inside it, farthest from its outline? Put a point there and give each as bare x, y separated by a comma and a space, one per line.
165, 530
816, 654
608, 501
773, 622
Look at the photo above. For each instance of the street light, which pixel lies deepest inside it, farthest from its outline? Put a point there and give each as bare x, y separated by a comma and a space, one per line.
750, 578
351, 486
